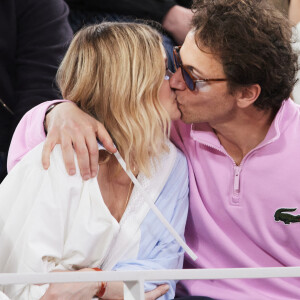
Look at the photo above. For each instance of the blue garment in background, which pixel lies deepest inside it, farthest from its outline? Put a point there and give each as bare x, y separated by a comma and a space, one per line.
80, 18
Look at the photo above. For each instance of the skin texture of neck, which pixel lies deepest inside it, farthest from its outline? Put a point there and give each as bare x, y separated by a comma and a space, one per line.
115, 187
244, 132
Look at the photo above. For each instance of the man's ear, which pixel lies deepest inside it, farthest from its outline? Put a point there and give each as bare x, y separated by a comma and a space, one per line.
247, 95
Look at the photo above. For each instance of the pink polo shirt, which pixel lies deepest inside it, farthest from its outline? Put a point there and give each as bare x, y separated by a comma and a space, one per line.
231, 220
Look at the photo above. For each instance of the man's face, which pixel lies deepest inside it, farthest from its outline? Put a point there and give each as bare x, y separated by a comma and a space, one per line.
211, 102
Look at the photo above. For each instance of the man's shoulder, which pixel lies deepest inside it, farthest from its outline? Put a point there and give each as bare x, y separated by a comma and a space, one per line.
288, 116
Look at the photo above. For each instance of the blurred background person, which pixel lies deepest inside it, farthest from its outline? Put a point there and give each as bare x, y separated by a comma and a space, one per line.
33, 39
174, 15
291, 10
294, 17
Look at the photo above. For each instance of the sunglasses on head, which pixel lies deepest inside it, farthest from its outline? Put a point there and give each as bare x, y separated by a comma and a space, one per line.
190, 80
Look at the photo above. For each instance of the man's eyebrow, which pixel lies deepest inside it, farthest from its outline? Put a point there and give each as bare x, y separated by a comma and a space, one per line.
192, 68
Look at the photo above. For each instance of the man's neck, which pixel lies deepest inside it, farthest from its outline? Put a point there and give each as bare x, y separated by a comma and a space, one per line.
244, 133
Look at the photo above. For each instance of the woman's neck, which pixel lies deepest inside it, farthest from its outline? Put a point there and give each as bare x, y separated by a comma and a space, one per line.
115, 187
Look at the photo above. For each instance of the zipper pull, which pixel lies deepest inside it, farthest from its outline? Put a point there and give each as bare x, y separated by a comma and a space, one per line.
236, 185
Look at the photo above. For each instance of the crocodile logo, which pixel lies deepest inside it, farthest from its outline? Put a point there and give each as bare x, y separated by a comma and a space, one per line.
281, 215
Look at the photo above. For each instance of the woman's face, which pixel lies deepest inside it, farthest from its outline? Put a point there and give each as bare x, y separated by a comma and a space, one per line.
167, 95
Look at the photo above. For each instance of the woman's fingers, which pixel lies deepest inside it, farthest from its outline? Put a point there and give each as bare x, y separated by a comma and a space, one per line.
158, 292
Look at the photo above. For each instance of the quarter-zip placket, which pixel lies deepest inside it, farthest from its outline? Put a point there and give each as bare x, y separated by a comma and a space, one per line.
238, 169
235, 196
236, 185
235, 199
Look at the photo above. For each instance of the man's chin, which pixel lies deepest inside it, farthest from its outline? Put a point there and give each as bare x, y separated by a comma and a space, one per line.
185, 119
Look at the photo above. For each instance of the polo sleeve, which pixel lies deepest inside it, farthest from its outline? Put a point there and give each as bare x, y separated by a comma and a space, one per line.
28, 134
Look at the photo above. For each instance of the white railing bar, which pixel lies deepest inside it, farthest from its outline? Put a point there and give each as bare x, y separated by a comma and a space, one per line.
158, 275
134, 290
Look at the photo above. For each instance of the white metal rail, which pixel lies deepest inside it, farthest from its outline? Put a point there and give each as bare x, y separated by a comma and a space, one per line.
134, 280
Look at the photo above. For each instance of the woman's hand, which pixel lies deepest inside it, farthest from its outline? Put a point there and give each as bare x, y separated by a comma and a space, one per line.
69, 126
87, 290
115, 290
71, 291
156, 293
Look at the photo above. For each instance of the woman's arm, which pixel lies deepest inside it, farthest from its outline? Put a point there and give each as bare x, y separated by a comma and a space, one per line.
34, 220
87, 290
72, 291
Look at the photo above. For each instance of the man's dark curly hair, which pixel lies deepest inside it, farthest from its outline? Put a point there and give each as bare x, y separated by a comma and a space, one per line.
253, 42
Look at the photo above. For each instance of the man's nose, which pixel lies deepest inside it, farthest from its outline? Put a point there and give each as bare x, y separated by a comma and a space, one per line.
176, 81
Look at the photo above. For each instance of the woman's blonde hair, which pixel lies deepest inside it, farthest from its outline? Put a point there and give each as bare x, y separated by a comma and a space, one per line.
114, 71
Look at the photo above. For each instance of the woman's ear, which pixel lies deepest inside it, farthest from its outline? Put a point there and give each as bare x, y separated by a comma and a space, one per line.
247, 95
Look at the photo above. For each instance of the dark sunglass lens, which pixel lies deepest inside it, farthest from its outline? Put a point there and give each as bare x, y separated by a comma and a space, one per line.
176, 60
188, 80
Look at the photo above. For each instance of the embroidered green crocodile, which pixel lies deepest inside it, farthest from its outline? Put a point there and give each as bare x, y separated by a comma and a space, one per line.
280, 215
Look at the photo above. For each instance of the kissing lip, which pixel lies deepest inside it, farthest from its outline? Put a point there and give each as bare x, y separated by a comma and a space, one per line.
178, 106
178, 103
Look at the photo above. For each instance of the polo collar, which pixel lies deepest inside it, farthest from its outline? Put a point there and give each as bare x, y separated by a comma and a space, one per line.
204, 134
